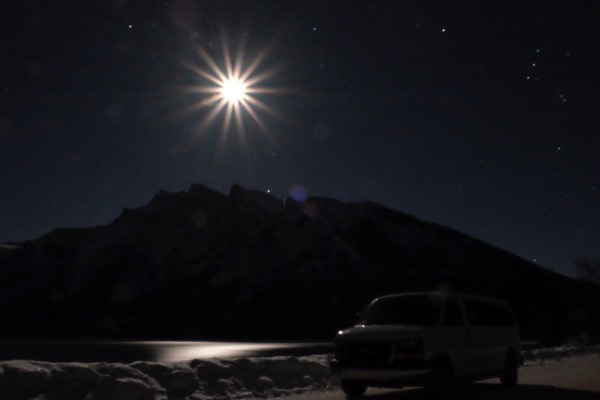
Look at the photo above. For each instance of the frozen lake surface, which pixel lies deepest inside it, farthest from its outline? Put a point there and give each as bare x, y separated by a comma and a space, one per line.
159, 351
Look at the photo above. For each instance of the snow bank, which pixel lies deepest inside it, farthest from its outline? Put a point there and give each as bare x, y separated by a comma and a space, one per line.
244, 378
555, 354
223, 379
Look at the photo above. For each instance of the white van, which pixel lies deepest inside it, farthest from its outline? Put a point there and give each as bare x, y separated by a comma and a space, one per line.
430, 339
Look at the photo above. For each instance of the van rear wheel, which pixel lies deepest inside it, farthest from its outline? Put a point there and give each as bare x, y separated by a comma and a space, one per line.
353, 389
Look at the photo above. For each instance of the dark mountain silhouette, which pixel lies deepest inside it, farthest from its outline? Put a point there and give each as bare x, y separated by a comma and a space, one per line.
204, 265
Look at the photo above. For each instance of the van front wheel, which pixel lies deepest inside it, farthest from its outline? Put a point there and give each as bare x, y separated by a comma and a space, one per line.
441, 381
510, 374
353, 389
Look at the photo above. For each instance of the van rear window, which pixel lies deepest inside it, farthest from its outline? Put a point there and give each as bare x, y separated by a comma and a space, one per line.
486, 313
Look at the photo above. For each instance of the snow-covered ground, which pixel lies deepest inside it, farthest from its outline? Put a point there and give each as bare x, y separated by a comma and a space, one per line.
242, 378
554, 354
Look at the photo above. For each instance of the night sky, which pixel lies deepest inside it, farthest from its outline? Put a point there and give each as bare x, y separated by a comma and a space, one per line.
478, 115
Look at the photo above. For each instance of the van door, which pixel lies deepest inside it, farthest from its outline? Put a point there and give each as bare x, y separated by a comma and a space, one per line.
487, 336
455, 337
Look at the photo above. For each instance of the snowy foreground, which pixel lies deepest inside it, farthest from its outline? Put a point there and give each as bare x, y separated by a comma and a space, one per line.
244, 378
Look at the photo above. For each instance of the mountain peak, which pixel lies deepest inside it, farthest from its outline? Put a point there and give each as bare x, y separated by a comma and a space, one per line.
264, 201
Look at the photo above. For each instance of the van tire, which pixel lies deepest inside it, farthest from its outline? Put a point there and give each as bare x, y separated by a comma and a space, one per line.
441, 381
353, 389
510, 374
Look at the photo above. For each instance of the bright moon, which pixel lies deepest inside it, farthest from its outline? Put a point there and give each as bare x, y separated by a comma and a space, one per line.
233, 90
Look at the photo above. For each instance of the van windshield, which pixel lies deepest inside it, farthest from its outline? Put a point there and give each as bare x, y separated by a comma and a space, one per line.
403, 310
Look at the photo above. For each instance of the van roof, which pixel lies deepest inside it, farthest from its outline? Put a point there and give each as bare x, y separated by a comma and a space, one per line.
447, 294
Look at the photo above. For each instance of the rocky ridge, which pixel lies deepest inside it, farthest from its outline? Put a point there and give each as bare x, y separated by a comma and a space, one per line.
247, 265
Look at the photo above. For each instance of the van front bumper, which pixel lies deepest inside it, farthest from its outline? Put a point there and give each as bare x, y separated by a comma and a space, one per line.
378, 374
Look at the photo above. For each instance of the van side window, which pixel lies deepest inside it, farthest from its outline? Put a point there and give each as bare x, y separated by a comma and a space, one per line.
452, 313
488, 314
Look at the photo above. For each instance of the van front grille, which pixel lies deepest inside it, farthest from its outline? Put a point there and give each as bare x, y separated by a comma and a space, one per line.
369, 352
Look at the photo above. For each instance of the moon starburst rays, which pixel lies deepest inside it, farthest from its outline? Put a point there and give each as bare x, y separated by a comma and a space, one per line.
231, 91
